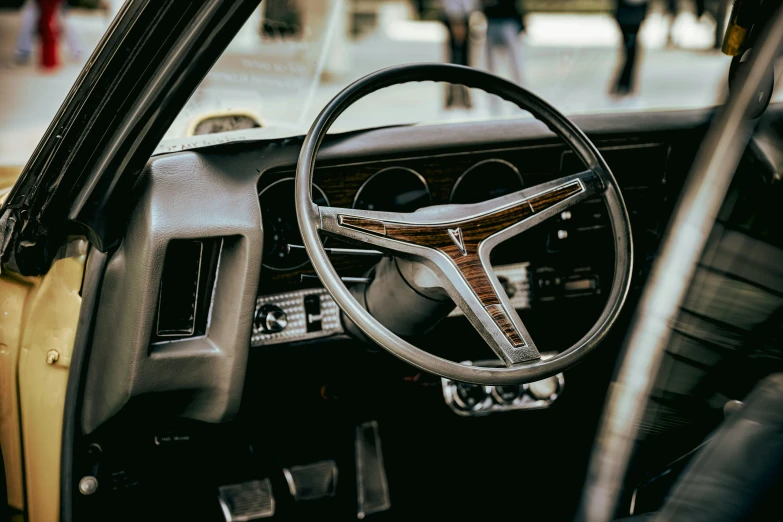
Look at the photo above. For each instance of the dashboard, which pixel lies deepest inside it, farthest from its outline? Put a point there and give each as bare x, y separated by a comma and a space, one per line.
213, 236
566, 259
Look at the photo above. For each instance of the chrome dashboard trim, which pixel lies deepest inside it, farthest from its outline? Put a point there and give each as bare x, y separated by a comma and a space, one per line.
292, 303
493, 403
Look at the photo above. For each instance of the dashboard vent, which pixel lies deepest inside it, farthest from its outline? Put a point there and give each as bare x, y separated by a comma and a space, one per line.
186, 286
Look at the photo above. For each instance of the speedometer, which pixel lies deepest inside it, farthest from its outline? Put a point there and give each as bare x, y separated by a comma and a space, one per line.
486, 180
278, 213
393, 189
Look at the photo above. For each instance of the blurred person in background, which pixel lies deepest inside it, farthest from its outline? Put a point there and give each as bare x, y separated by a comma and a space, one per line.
49, 32
504, 24
717, 10
629, 15
30, 17
671, 10
456, 17
27, 29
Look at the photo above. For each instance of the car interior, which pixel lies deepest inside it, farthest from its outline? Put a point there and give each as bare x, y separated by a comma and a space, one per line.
315, 401
386, 323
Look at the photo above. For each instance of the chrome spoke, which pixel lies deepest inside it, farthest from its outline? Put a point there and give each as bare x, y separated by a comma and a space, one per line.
481, 297
546, 200
371, 228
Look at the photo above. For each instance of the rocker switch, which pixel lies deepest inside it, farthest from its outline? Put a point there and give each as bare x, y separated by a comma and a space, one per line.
312, 307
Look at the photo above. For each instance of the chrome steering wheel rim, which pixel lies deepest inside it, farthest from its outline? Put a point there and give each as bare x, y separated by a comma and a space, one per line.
597, 179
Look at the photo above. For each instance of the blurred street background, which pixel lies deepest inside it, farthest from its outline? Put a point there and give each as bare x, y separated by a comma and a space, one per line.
293, 55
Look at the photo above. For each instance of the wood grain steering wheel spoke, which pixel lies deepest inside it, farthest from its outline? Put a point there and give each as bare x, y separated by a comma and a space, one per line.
369, 227
481, 297
536, 204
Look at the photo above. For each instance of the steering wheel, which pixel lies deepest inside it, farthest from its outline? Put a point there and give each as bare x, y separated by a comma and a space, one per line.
455, 241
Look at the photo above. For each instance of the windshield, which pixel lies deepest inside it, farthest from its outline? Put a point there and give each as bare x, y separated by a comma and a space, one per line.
292, 56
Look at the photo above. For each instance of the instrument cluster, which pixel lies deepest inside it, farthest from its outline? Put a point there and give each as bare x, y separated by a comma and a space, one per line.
391, 189
305, 311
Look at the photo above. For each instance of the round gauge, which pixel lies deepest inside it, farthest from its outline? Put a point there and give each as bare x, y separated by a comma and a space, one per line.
394, 189
281, 229
486, 180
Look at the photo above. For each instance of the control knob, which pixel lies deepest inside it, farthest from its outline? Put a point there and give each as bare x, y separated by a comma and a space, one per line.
270, 319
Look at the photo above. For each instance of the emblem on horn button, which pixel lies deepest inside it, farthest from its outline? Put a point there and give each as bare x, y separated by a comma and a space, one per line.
456, 235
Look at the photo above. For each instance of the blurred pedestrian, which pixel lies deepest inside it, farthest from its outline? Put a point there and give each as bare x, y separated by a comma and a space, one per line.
49, 32
72, 40
671, 11
721, 12
629, 15
29, 27
504, 25
456, 17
